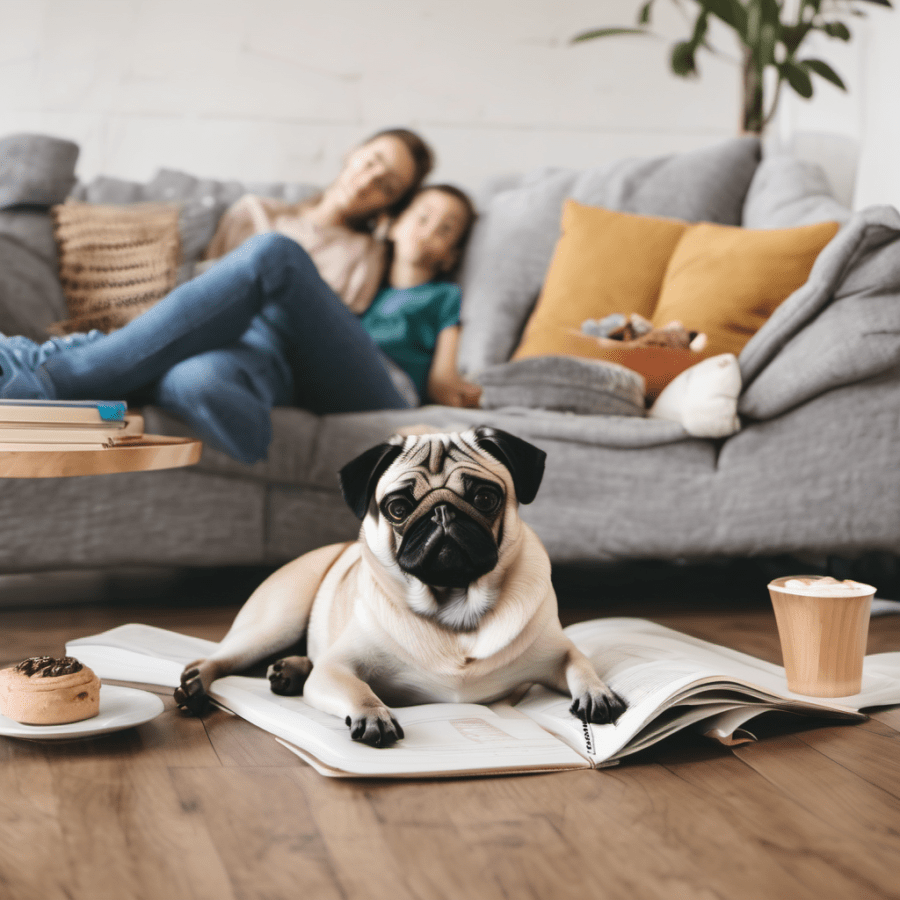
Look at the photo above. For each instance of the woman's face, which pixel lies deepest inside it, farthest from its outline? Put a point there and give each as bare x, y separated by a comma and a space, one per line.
374, 177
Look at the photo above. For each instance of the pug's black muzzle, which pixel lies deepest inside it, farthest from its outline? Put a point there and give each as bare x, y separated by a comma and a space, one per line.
447, 548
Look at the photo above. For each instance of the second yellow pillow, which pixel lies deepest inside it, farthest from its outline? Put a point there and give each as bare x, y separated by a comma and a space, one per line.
726, 281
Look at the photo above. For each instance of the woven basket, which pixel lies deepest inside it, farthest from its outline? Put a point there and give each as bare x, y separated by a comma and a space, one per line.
115, 262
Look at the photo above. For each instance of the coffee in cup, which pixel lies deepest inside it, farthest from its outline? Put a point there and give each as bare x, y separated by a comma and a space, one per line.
823, 625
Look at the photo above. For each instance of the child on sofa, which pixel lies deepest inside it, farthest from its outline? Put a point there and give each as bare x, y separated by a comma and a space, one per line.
291, 339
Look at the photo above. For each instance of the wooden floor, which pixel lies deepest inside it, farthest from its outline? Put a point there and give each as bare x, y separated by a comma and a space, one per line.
181, 808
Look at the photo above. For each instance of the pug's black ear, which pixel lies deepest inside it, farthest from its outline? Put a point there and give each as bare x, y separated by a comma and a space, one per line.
524, 461
359, 477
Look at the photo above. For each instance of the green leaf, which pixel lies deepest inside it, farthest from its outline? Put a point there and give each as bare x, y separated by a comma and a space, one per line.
825, 71
798, 78
792, 36
731, 12
879, 3
644, 14
837, 30
605, 32
682, 61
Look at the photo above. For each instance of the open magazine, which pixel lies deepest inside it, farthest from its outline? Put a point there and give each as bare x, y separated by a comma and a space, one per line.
669, 680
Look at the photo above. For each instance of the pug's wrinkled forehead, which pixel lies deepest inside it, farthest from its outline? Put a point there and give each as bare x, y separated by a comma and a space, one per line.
441, 460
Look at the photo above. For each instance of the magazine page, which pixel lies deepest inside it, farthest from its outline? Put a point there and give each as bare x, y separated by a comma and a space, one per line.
658, 671
599, 639
440, 739
140, 653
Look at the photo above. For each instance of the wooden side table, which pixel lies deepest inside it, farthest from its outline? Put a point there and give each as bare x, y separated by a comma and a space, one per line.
148, 452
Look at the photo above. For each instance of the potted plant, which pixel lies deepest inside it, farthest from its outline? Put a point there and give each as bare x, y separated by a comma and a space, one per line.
771, 34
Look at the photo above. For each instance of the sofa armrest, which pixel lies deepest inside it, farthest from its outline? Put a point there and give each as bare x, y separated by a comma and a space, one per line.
841, 327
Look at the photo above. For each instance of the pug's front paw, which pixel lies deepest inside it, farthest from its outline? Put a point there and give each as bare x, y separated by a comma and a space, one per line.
377, 727
287, 676
599, 707
191, 697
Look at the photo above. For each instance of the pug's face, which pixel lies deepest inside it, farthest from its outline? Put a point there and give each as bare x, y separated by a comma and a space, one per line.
439, 506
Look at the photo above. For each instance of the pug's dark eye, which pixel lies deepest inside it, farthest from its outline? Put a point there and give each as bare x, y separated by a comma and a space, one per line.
486, 500
397, 509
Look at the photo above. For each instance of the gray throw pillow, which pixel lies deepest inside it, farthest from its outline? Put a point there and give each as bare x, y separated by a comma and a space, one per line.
33, 227
36, 170
787, 192
514, 239
565, 384
31, 296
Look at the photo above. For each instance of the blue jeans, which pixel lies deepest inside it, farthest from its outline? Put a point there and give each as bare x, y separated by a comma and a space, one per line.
258, 329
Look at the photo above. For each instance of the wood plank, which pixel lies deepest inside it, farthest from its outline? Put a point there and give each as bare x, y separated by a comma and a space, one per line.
364, 864
238, 743
117, 829
800, 847
850, 821
264, 830
872, 754
889, 717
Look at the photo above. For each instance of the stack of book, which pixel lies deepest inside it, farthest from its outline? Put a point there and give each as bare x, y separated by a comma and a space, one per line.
67, 425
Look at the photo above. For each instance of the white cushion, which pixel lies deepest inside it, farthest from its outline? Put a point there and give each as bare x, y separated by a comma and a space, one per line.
703, 398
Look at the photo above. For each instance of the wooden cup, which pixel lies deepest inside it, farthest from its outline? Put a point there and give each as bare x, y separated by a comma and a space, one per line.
823, 639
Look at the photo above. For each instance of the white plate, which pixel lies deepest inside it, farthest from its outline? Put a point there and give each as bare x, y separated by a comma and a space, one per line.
120, 707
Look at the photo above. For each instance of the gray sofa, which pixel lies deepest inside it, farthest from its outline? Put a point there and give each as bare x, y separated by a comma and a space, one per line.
813, 469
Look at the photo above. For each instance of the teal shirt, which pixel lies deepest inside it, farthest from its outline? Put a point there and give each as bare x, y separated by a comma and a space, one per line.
405, 323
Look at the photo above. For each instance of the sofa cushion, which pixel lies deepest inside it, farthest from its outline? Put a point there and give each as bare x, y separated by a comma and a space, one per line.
33, 227
36, 170
726, 281
604, 262
564, 383
31, 296
841, 326
115, 262
513, 241
786, 192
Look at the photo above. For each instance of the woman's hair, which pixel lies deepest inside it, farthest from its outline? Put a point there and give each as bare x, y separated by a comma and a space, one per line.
422, 156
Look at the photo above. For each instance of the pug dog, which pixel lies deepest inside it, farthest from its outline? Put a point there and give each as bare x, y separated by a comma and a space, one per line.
446, 596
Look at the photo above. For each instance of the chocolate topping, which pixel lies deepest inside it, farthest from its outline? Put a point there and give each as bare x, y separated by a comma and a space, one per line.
47, 666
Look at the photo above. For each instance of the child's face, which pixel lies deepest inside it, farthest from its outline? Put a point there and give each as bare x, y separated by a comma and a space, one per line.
427, 233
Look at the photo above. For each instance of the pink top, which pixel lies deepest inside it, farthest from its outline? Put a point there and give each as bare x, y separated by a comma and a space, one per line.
351, 263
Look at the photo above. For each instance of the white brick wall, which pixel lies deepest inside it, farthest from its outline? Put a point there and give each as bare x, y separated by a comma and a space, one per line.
279, 89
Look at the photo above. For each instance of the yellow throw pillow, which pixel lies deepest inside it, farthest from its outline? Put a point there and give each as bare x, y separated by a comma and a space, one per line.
605, 262
726, 281
115, 262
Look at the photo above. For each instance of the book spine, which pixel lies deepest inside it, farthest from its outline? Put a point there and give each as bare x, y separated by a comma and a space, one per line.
44, 447
109, 414
58, 432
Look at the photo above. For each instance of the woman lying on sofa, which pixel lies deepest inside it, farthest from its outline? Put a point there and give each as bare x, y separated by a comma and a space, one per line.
270, 325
